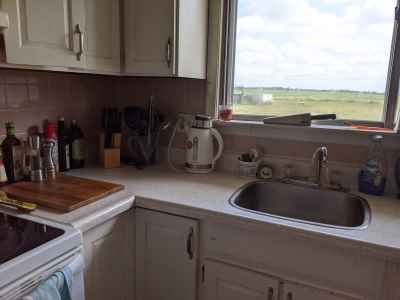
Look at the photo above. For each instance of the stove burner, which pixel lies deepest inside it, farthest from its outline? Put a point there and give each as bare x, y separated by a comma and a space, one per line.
18, 236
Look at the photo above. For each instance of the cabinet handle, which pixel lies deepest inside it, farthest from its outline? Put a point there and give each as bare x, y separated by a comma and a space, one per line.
271, 294
169, 53
79, 33
289, 296
189, 243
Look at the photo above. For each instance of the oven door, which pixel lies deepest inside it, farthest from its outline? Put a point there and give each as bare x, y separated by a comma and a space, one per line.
24, 286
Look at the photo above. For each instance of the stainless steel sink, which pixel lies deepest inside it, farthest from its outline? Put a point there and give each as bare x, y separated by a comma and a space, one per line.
303, 204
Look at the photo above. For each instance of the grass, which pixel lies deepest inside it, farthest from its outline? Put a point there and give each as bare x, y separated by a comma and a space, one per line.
346, 104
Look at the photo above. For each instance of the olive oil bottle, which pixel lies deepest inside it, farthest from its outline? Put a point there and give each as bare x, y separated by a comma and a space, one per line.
13, 155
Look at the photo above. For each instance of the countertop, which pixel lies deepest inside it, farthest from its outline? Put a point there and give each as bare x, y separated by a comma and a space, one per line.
206, 197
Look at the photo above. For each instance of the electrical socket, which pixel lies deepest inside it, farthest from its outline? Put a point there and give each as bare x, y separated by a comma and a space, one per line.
185, 121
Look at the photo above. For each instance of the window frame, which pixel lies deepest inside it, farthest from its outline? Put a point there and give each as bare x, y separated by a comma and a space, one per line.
391, 115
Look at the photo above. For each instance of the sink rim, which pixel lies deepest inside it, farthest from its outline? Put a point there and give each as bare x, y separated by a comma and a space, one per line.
364, 203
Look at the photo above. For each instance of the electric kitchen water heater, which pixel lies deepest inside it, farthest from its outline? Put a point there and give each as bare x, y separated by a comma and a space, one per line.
200, 154
201, 139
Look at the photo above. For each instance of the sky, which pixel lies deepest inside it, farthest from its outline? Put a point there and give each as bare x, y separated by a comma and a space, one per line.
314, 44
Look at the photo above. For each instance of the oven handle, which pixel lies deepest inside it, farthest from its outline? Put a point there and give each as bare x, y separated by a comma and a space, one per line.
26, 284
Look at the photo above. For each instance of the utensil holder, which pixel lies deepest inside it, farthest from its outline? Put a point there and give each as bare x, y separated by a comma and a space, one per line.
248, 169
110, 157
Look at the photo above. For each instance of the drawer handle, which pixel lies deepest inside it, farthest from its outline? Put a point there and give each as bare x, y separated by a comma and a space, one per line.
289, 296
169, 53
189, 243
271, 294
79, 33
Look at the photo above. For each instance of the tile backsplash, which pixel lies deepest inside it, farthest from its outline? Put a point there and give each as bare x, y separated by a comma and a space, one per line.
29, 97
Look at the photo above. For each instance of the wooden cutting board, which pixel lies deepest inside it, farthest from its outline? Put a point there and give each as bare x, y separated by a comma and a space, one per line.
64, 194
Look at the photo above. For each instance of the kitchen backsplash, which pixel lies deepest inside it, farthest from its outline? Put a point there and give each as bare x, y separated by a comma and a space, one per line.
172, 95
29, 97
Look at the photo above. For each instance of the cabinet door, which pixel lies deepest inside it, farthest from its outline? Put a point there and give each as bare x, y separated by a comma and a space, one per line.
166, 256
300, 292
224, 282
109, 259
102, 35
150, 37
43, 32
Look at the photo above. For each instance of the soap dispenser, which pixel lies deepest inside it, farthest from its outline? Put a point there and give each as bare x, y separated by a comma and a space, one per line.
372, 176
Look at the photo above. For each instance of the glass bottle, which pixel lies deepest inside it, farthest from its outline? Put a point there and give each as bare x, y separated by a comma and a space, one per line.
12, 164
63, 146
372, 176
77, 147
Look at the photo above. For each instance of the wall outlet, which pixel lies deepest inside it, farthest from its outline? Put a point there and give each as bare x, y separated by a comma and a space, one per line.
185, 120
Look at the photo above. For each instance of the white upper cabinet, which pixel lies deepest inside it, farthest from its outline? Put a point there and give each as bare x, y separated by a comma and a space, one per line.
160, 37
102, 35
45, 32
149, 37
166, 37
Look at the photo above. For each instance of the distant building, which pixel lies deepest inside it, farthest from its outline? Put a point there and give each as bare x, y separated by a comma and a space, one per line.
241, 97
267, 98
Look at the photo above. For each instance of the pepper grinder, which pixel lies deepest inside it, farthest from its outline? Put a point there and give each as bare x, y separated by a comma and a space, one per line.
48, 160
36, 172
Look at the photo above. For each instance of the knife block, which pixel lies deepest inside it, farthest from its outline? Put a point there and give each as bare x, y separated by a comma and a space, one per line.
110, 157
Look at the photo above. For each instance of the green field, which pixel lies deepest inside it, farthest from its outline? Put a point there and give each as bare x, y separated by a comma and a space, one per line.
346, 104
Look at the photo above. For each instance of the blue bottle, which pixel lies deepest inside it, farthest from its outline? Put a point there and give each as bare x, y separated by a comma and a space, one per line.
372, 176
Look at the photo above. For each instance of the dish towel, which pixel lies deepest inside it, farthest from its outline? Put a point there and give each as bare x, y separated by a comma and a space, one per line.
56, 287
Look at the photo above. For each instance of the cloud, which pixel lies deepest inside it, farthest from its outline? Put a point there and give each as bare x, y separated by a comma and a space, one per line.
336, 44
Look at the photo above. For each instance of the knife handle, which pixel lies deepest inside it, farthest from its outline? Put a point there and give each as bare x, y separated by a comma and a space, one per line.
324, 117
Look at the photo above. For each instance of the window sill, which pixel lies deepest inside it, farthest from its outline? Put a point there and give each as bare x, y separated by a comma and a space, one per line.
316, 133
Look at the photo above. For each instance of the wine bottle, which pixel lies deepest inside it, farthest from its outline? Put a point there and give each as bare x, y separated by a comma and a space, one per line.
77, 146
63, 146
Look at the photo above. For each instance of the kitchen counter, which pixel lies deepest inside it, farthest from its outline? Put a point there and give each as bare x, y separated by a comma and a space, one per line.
206, 197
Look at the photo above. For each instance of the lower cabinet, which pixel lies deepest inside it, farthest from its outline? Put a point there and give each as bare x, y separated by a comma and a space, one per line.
224, 282
108, 249
166, 256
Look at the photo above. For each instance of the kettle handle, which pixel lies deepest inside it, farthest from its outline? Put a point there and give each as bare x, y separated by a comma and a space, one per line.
220, 141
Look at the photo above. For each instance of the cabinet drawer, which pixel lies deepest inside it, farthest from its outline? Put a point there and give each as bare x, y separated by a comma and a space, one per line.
296, 258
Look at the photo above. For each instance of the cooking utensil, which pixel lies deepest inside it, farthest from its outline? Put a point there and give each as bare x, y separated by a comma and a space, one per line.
298, 119
25, 206
135, 119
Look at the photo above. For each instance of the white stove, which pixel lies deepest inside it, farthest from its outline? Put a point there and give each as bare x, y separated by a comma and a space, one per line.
31, 249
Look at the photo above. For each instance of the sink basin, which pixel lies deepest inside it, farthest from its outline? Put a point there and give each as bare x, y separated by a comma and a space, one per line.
303, 204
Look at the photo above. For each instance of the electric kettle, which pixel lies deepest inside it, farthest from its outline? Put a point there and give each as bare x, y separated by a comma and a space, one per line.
200, 153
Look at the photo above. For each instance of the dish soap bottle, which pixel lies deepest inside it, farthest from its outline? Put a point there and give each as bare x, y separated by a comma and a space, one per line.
372, 176
77, 146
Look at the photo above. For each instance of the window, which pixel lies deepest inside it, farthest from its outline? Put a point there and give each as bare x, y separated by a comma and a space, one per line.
312, 56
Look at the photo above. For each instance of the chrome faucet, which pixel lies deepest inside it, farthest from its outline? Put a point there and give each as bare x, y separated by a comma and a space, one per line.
319, 165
